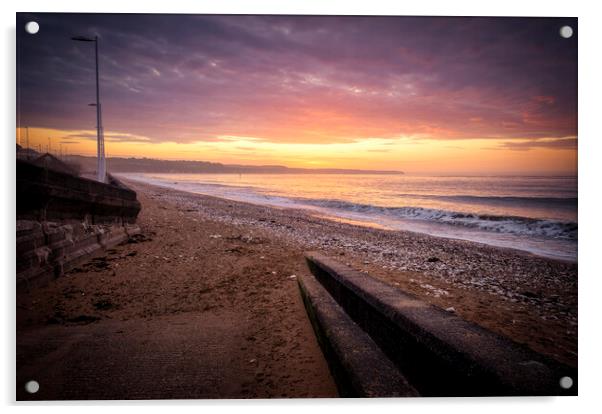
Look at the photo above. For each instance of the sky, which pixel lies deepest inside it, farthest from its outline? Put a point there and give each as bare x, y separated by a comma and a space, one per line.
415, 94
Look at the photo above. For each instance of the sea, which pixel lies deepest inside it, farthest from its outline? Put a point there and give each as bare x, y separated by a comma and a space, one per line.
537, 214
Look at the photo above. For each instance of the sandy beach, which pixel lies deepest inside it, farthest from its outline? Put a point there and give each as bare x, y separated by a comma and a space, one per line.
221, 275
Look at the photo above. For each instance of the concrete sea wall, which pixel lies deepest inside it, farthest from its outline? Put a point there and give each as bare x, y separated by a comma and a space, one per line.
63, 220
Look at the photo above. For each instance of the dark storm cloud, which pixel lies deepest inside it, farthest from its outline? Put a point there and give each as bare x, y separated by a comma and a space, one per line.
301, 79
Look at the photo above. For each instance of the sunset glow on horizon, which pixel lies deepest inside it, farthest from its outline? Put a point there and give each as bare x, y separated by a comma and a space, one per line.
419, 95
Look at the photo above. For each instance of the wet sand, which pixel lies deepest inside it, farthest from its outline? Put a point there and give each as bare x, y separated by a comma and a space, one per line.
220, 276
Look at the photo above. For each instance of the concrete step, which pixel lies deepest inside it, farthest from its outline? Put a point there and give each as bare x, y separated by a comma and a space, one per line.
438, 352
360, 368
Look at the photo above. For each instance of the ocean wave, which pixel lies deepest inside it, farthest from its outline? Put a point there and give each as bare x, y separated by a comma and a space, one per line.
509, 224
515, 200
501, 224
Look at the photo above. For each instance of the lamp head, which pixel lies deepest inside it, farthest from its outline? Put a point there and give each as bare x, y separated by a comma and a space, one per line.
83, 39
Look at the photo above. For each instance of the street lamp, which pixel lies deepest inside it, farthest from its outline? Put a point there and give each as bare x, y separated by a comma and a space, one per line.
101, 167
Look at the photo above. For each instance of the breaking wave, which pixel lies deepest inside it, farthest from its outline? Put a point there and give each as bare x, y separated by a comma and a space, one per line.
524, 226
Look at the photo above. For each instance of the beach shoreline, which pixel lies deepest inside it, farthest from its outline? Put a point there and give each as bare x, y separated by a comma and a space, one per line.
226, 271
530, 298
436, 206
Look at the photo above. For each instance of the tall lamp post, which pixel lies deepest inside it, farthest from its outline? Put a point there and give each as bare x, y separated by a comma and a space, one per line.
101, 167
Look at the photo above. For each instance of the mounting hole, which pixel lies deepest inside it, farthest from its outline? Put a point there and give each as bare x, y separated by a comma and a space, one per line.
566, 382
32, 27
566, 31
32, 387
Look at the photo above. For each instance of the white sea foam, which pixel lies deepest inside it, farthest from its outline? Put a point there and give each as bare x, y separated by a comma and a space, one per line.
533, 220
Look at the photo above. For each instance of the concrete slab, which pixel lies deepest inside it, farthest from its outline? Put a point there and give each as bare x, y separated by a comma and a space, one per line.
180, 357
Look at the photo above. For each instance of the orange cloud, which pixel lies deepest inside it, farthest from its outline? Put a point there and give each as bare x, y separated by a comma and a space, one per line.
473, 156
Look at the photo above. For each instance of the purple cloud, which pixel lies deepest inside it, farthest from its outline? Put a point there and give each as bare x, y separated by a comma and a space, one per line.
185, 78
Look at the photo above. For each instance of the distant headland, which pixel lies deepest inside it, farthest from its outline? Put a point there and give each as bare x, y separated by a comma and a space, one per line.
142, 165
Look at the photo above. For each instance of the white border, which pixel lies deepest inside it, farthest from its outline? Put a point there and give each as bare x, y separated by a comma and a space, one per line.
590, 274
